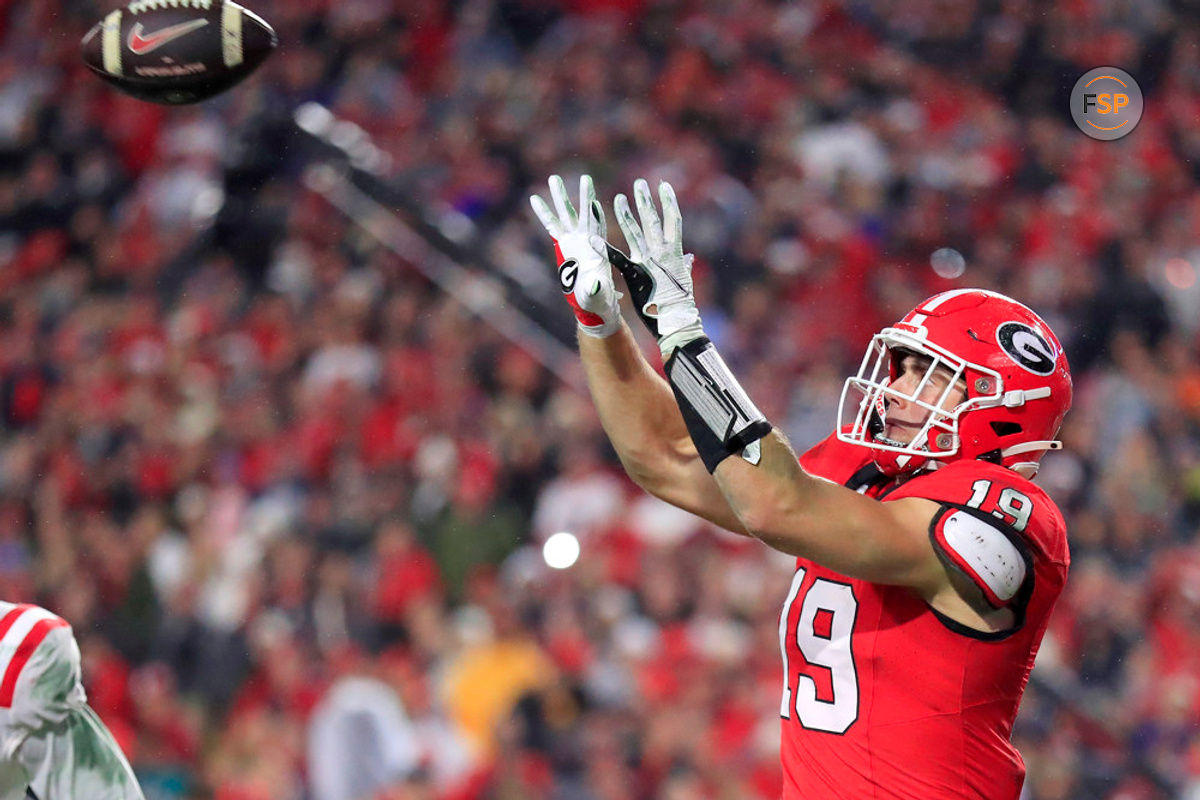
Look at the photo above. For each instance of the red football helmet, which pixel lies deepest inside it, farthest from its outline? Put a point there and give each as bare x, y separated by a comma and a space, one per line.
1004, 357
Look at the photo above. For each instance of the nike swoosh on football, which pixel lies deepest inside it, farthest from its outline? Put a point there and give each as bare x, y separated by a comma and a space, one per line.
141, 43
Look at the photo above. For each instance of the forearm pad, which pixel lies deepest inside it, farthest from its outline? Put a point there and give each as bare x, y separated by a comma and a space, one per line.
720, 416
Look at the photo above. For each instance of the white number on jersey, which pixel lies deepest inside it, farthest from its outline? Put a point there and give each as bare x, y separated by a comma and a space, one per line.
1010, 505
832, 652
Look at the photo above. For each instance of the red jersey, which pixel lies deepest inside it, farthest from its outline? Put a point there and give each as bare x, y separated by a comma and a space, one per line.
884, 697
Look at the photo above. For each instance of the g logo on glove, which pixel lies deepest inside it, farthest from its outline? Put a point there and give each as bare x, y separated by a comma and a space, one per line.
568, 271
580, 250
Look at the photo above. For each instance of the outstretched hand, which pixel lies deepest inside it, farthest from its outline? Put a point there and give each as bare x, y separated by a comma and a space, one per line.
584, 272
657, 271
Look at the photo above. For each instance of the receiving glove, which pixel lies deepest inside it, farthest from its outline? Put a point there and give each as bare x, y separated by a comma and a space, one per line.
584, 272
720, 418
657, 271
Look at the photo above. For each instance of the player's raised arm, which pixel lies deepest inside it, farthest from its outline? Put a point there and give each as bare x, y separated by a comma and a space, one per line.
636, 407
773, 497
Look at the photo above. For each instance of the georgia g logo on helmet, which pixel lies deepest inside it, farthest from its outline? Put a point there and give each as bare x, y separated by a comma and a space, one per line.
1027, 347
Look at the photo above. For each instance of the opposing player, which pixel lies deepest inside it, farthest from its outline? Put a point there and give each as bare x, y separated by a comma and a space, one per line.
927, 562
52, 745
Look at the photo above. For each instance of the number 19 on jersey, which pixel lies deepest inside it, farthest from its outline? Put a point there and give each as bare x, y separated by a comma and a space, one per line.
824, 635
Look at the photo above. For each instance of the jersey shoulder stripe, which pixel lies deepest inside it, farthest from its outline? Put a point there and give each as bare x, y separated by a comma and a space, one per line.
22, 629
10, 618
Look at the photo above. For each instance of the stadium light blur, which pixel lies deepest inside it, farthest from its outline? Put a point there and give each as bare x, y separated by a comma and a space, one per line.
561, 550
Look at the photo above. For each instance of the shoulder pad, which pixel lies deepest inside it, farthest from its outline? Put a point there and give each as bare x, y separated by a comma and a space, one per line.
985, 549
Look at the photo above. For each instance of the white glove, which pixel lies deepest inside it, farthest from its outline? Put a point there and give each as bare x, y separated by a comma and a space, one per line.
668, 307
584, 273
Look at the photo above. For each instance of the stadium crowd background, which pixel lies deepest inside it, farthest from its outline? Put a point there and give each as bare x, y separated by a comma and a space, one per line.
292, 498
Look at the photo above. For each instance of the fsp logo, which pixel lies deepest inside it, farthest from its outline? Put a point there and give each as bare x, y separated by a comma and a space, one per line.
1106, 103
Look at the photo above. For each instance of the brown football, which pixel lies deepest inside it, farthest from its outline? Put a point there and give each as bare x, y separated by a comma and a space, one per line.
178, 51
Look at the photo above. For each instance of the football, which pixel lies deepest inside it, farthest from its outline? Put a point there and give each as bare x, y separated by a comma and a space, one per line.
178, 51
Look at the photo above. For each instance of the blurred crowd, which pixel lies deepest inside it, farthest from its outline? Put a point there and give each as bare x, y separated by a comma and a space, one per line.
292, 497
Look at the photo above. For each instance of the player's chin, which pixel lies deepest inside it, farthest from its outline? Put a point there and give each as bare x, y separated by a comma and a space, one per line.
897, 436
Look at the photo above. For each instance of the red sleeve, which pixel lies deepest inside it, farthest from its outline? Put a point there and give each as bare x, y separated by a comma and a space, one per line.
1001, 493
985, 508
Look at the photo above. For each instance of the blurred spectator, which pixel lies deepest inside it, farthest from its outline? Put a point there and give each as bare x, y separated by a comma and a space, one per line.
360, 739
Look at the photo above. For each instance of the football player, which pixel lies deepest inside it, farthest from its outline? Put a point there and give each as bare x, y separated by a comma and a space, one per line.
927, 561
52, 745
